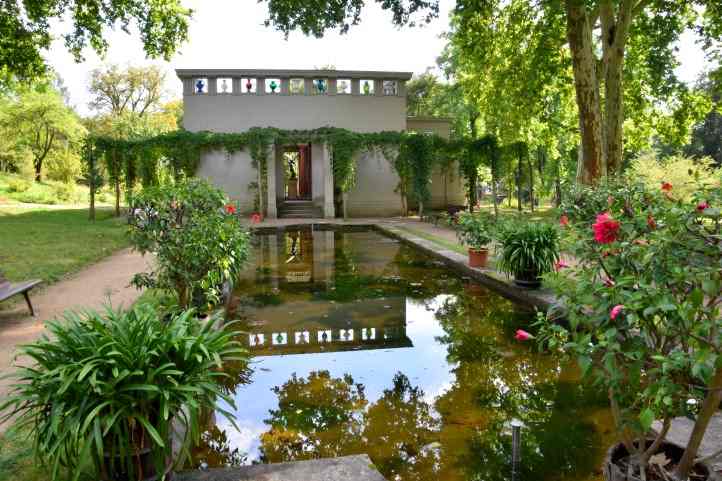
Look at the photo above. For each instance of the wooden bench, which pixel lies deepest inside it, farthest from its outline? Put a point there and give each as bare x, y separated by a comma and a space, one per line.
9, 289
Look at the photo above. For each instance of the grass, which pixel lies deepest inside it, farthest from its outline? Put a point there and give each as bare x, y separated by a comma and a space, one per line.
50, 243
17, 462
17, 189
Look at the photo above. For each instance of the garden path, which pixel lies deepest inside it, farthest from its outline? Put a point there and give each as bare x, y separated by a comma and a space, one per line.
92, 287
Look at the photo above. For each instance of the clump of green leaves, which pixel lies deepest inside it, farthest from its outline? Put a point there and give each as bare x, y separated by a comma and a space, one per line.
528, 249
105, 386
475, 230
198, 242
643, 307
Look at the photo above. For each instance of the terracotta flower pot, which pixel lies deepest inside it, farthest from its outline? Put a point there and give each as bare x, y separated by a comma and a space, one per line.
615, 469
478, 257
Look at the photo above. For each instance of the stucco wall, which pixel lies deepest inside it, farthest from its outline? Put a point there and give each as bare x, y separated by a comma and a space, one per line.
456, 192
232, 173
317, 174
373, 195
238, 113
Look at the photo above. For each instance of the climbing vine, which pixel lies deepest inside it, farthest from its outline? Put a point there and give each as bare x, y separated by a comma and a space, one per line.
413, 156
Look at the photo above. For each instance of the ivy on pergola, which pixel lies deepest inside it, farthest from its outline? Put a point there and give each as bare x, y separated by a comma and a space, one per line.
412, 155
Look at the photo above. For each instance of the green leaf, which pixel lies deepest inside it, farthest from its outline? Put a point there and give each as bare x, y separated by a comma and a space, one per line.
646, 418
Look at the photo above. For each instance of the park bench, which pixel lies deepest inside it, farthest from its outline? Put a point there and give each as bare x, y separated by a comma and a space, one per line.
9, 289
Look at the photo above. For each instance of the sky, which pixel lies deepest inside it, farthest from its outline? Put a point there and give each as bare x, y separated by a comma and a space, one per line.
231, 34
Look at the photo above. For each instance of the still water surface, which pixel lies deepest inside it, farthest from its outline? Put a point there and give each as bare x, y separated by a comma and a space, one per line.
363, 344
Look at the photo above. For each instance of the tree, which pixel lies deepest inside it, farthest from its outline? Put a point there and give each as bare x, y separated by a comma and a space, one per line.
42, 123
25, 27
643, 29
136, 90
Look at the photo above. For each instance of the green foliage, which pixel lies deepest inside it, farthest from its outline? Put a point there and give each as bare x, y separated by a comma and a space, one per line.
314, 18
41, 123
643, 302
64, 165
528, 249
105, 385
163, 25
19, 185
684, 173
198, 244
475, 230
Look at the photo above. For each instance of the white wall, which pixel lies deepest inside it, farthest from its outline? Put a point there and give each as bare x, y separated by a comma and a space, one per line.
232, 173
373, 195
238, 113
456, 192
317, 174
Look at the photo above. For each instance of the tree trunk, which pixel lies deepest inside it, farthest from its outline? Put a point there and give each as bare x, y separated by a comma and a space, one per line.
38, 165
117, 197
709, 407
614, 39
531, 183
494, 185
579, 35
518, 184
91, 183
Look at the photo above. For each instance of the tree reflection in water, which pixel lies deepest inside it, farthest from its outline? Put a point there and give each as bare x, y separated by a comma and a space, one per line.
463, 433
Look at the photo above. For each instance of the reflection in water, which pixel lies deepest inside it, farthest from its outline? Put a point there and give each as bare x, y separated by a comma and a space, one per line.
365, 345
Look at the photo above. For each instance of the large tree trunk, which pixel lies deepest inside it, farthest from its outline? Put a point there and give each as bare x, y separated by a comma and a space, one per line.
614, 39
579, 35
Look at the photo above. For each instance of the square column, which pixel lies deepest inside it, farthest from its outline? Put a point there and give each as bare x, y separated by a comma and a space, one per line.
271, 211
328, 208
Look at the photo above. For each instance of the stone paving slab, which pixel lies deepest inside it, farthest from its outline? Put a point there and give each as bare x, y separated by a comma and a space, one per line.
346, 468
681, 429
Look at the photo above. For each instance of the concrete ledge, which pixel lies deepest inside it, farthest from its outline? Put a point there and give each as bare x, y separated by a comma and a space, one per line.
541, 298
346, 468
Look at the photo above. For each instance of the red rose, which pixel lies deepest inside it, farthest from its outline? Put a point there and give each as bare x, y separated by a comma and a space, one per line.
230, 209
564, 221
256, 218
702, 206
606, 229
615, 311
651, 222
560, 265
666, 186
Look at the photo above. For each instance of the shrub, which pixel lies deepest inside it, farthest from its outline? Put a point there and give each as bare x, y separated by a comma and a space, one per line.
64, 166
684, 173
198, 241
529, 249
63, 192
19, 185
643, 308
106, 385
474, 230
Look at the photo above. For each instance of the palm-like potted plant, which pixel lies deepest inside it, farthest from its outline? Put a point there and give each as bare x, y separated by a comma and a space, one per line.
106, 388
475, 231
528, 251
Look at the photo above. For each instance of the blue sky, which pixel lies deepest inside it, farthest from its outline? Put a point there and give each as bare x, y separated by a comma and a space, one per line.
231, 34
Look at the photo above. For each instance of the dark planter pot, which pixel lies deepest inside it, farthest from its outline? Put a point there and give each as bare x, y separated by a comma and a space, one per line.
613, 471
528, 280
143, 463
478, 257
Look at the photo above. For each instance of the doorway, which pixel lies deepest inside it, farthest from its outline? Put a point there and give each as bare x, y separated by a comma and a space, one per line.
297, 172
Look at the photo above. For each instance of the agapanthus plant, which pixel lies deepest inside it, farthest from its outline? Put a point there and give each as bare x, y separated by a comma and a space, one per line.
642, 303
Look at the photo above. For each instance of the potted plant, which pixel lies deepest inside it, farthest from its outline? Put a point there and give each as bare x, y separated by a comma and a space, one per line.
198, 240
643, 309
474, 230
106, 388
528, 251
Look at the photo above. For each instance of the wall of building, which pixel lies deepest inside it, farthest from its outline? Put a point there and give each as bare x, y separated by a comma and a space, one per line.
373, 195
232, 173
238, 113
317, 174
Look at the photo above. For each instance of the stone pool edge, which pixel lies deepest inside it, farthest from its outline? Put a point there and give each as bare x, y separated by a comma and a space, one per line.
541, 299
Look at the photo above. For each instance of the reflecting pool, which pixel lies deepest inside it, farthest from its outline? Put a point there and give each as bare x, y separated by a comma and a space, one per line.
363, 344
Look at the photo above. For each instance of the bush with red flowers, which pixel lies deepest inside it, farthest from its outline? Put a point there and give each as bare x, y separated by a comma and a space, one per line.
643, 303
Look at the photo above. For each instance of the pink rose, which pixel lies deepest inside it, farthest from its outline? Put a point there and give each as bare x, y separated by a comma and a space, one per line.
606, 229
615, 311
560, 265
564, 221
702, 206
522, 335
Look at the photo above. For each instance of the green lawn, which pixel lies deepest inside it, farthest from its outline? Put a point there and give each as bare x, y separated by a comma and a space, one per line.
49, 243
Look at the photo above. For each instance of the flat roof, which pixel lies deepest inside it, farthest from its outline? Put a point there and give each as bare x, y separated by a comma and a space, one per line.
360, 74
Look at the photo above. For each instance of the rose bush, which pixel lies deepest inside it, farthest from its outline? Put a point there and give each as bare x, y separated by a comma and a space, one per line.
643, 307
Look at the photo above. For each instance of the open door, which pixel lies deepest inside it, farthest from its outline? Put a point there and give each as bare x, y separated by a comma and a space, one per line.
304, 172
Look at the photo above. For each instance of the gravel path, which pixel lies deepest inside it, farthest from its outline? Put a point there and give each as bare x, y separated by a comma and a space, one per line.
93, 287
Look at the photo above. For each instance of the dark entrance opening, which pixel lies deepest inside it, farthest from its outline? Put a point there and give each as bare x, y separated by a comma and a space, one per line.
297, 172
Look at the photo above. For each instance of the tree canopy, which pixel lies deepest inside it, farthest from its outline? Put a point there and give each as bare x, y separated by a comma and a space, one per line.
25, 29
